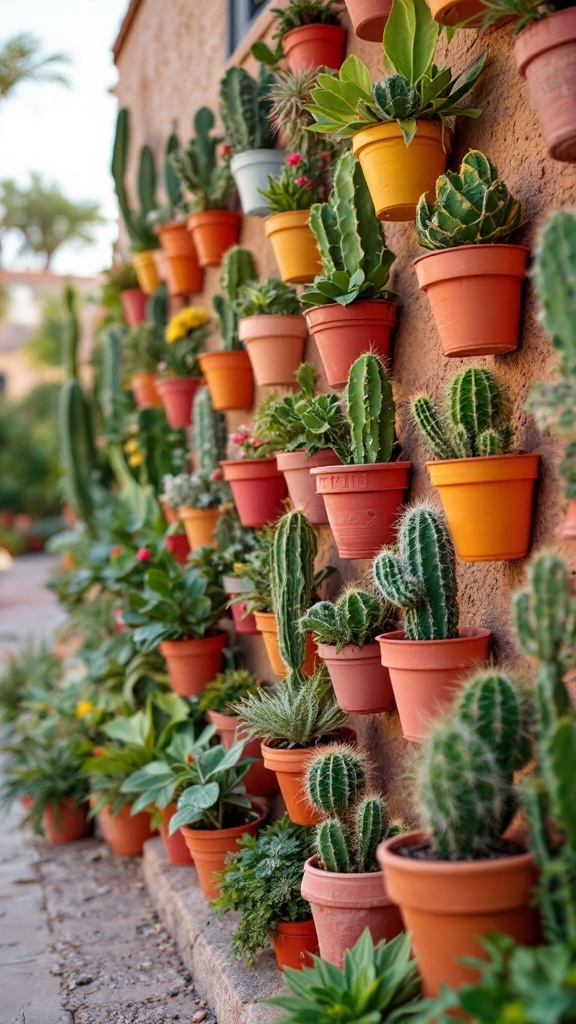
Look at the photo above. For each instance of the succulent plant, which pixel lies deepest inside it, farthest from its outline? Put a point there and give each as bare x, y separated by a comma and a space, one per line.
299, 713
355, 618
264, 298
303, 420
209, 184
293, 555
370, 411
245, 108
209, 432
137, 223
236, 270
294, 15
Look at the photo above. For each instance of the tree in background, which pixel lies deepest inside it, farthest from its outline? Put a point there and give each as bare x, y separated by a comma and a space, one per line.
29, 457
21, 60
43, 347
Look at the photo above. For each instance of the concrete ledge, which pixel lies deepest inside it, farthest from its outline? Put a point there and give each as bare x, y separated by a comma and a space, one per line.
232, 990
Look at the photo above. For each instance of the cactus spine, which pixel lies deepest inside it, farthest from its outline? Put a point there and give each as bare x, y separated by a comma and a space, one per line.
237, 269
209, 434
293, 554
355, 619
370, 411
419, 575
336, 780
245, 108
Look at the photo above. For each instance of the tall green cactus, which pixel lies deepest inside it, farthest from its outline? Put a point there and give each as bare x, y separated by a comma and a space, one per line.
197, 166
237, 269
77, 450
493, 706
209, 432
245, 109
157, 307
370, 411
293, 554
172, 183
112, 395
137, 224
476, 422
336, 780
71, 332
419, 575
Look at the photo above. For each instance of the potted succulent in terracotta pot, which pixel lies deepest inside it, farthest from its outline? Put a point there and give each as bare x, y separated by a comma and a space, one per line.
258, 486
143, 238
369, 18
184, 275
180, 371
474, 277
143, 349
198, 498
428, 658
272, 329
487, 491
308, 34
302, 181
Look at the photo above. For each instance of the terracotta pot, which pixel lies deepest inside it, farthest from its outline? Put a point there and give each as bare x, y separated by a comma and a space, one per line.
426, 674
362, 504
290, 767
545, 55
361, 683
475, 292
170, 514
146, 271
301, 485
209, 848
177, 396
160, 263
119, 624
251, 171
446, 905
295, 247
275, 345
342, 333
69, 824
175, 845
183, 271
199, 524
134, 302
214, 232
143, 388
268, 627
124, 834
488, 504
344, 905
192, 664
369, 18
397, 174
294, 943
568, 528
230, 379
259, 489
452, 12
259, 781
244, 624
178, 546
314, 46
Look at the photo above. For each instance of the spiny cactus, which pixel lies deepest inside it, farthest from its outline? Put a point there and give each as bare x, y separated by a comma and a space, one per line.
137, 224
419, 576
472, 206
370, 411
197, 167
297, 714
172, 183
355, 618
494, 707
237, 269
157, 307
245, 108
335, 779
209, 432
293, 555
333, 842
77, 449
476, 419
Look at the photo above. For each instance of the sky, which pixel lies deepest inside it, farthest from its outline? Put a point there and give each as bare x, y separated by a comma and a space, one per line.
66, 134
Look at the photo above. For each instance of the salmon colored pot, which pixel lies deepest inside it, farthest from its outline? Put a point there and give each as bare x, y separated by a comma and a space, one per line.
259, 781
119, 624
342, 333
295, 247
209, 847
446, 905
369, 18
177, 395
362, 504
361, 683
488, 504
568, 528
397, 174
295, 942
290, 766
452, 12
259, 489
545, 55
475, 292
178, 546
170, 514
214, 232
192, 664
69, 824
230, 379
124, 834
146, 271
245, 624
160, 263
344, 905
267, 625
134, 302
426, 674
275, 344
175, 845
143, 388
199, 524
301, 485
314, 46
184, 274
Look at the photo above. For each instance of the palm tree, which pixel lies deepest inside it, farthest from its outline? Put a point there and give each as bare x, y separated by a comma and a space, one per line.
22, 61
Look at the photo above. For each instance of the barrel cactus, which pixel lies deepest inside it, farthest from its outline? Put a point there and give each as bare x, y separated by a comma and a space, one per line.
293, 554
245, 109
209, 433
355, 618
335, 779
370, 411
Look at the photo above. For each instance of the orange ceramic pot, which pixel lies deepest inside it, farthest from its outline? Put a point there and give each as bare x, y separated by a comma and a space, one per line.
143, 388
258, 487
192, 664
125, 835
66, 822
545, 55
230, 379
343, 905
234, 585
397, 174
134, 302
488, 504
295, 246
209, 848
290, 766
259, 781
452, 12
369, 18
177, 395
275, 345
362, 504
175, 845
301, 485
199, 524
342, 333
295, 942
268, 626
475, 292
146, 271
447, 905
178, 546
214, 232
184, 274
361, 683
426, 674
314, 46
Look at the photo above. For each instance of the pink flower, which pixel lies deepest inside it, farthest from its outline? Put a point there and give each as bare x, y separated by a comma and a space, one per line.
304, 182
226, 149
143, 555
115, 551
293, 159
216, 475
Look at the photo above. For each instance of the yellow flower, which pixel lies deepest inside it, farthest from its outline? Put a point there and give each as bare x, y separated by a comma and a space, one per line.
183, 323
84, 708
136, 460
131, 446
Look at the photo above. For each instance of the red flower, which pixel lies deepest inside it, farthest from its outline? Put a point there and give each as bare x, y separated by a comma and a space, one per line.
293, 159
304, 182
216, 475
115, 551
143, 555
226, 149
98, 751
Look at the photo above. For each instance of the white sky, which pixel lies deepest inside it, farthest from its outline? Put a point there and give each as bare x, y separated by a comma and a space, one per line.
66, 134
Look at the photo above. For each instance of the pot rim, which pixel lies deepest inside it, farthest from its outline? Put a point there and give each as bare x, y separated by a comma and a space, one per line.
299, 218
357, 304
212, 217
385, 130
472, 246
319, 30
201, 833
372, 881
372, 467
305, 927
217, 636
534, 40
353, 653
238, 354
398, 637
303, 460
386, 853
483, 464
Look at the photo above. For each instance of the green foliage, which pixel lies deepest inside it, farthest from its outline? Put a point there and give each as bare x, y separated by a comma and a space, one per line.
209, 436
136, 222
227, 689
300, 183
370, 411
43, 347
22, 671
303, 420
236, 270
213, 795
355, 618
299, 713
517, 14
21, 60
256, 568
245, 107
77, 449
143, 347
265, 298
210, 184
203, 489
47, 773
29, 458
293, 553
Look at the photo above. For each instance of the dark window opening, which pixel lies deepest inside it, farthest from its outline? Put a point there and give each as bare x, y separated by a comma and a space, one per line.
241, 14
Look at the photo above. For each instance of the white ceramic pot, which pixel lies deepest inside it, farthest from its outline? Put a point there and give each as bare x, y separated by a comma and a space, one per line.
250, 171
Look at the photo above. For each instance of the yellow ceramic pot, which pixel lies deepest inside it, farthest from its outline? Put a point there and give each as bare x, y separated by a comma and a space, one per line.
146, 271
294, 245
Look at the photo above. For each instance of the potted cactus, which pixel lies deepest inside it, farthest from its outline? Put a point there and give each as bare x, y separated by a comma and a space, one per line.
258, 487
487, 492
272, 328
184, 275
302, 181
143, 348
179, 378
143, 238
428, 657
308, 34
341, 881
369, 18
229, 373
120, 286
474, 277
348, 309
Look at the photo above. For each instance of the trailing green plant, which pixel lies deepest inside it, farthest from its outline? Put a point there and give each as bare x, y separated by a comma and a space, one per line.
473, 206
137, 222
266, 298
476, 422
296, 14
236, 270
370, 412
245, 107
143, 348
213, 795
516, 14
206, 488
299, 713
227, 689
209, 182
418, 575
209, 433
302, 181
293, 553
355, 618
303, 420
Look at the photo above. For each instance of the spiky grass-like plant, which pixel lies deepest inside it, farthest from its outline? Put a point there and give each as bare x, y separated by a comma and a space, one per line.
298, 713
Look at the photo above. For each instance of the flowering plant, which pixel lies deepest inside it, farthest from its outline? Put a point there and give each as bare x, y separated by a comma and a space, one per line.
202, 489
185, 335
143, 348
302, 182
249, 446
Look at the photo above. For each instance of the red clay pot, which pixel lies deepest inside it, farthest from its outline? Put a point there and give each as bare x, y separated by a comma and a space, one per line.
475, 292
184, 275
214, 232
192, 664
301, 485
125, 835
144, 392
568, 528
545, 55
290, 767
177, 396
369, 18
209, 847
268, 626
361, 683
258, 487
244, 624
313, 46
259, 781
362, 504
446, 905
344, 905
342, 333
175, 845
230, 379
69, 824
178, 546
134, 302
294, 943
275, 345
426, 674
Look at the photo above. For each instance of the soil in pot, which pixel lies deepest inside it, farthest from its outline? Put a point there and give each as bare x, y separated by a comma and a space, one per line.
275, 345
361, 683
192, 664
369, 18
251, 171
134, 302
177, 396
397, 174
545, 55
209, 847
199, 524
314, 46
175, 845
143, 388
301, 485
295, 246
183, 271
342, 333
294, 943
214, 232
67, 822
259, 489
146, 272
259, 781
125, 835
230, 379
268, 627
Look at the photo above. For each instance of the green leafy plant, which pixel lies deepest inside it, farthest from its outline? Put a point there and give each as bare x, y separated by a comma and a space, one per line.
266, 298
202, 489
301, 183
137, 223
143, 348
299, 713
212, 793
209, 181
236, 270
245, 107
303, 420
295, 15
46, 772
355, 618
227, 689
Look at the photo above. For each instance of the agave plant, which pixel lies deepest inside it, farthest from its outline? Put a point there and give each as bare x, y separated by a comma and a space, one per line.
296, 714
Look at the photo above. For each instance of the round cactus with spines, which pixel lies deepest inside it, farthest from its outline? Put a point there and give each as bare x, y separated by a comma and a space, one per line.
333, 843
370, 411
209, 432
293, 553
495, 707
335, 778
355, 618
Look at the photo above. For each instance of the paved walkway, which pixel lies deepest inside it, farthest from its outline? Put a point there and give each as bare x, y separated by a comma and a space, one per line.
26, 607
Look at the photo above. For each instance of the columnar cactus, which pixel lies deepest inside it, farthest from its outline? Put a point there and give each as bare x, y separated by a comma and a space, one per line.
354, 619
245, 108
419, 575
237, 269
77, 449
209, 433
137, 223
293, 554
370, 411
197, 166
172, 183
492, 705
